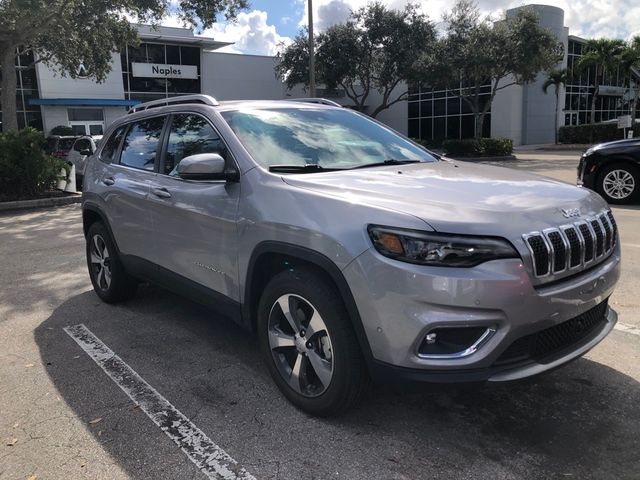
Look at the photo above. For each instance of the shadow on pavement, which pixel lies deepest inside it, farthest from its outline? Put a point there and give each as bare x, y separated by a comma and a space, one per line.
579, 422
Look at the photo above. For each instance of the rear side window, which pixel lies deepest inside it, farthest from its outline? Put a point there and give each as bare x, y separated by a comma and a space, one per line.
111, 147
82, 144
190, 134
65, 144
141, 144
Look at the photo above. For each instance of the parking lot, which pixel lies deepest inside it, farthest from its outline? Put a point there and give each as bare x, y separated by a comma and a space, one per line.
63, 417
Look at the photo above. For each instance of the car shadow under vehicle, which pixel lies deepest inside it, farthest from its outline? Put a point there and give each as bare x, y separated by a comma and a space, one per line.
581, 421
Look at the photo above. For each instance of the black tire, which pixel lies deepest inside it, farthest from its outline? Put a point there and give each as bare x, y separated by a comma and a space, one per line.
627, 171
121, 286
349, 378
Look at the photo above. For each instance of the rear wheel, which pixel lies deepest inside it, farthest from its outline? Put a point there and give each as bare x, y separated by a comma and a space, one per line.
619, 183
309, 345
110, 280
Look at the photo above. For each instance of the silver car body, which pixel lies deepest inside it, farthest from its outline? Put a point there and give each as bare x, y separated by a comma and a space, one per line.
211, 233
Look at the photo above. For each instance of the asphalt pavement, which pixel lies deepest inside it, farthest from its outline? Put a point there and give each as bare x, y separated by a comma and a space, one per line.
62, 416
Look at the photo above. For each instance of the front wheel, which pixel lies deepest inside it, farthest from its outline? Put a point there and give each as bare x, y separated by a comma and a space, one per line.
309, 345
619, 183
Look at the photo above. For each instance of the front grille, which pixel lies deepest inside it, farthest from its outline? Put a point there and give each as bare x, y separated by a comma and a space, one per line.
572, 246
541, 346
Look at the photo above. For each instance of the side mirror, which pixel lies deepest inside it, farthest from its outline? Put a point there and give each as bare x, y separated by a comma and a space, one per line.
205, 166
86, 152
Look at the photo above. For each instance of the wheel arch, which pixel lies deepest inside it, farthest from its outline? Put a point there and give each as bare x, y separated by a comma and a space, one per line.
270, 257
91, 214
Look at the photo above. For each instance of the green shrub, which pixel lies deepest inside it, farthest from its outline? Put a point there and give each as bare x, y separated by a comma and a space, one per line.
25, 170
467, 147
598, 133
479, 147
496, 147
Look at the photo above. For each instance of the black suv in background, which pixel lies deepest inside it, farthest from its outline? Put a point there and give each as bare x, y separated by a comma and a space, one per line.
613, 170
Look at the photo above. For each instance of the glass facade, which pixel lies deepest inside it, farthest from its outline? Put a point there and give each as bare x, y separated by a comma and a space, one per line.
437, 115
146, 89
615, 96
27, 88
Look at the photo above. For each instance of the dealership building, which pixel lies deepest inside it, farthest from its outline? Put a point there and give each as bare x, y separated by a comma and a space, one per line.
168, 62
173, 61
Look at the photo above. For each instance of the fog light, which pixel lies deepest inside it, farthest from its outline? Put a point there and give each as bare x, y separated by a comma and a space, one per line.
454, 342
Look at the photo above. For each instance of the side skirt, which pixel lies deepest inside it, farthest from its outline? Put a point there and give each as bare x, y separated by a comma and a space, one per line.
148, 271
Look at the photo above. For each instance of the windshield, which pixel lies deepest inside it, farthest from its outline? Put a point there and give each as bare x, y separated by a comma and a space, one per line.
329, 138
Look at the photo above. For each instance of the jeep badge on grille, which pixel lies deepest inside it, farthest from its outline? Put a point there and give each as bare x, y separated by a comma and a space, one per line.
570, 212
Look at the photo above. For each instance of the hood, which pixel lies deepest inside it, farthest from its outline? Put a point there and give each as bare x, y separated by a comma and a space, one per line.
615, 145
459, 197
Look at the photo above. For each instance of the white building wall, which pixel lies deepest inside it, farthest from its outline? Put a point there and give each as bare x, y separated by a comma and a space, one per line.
54, 85
228, 76
506, 113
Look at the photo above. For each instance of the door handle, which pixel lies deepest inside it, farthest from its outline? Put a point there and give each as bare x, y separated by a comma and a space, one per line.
108, 181
161, 192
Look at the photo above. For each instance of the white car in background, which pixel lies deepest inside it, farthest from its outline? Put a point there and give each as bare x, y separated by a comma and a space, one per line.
83, 147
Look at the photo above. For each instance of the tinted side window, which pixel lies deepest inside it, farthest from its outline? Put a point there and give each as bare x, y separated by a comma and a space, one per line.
111, 147
141, 144
190, 134
82, 144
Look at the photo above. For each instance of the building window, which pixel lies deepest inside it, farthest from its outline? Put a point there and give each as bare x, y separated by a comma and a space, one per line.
86, 121
436, 115
27, 89
146, 89
615, 97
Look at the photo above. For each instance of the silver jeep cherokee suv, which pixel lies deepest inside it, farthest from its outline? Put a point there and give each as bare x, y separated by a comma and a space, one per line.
351, 251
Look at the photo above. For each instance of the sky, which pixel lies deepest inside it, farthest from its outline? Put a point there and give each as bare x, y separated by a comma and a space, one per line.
267, 24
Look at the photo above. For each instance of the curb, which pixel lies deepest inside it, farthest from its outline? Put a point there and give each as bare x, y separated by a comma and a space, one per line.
40, 203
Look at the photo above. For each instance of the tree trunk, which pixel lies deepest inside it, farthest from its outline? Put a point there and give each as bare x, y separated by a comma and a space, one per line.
556, 119
479, 118
9, 88
594, 98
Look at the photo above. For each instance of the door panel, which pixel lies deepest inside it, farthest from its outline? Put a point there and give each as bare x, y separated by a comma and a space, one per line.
195, 231
126, 194
195, 221
126, 183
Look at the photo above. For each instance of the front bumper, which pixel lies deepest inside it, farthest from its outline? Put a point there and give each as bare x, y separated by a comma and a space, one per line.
400, 303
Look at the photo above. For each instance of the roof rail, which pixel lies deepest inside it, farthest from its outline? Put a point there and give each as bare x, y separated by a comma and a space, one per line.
321, 101
199, 98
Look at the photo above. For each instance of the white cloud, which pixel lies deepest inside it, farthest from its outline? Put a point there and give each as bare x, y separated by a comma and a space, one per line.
585, 18
250, 32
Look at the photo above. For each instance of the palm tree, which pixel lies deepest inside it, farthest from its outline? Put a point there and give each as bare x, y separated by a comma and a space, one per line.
557, 78
630, 67
603, 54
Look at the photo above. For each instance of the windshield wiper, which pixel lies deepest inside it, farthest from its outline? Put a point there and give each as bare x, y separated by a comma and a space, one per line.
309, 167
386, 162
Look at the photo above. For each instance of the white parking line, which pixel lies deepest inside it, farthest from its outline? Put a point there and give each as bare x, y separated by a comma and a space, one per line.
212, 460
623, 327
634, 245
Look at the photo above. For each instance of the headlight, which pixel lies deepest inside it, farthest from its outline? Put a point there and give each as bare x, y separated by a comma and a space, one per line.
438, 249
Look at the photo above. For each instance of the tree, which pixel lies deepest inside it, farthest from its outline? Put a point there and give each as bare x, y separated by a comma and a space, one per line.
557, 78
65, 33
629, 68
376, 50
476, 52
603, 54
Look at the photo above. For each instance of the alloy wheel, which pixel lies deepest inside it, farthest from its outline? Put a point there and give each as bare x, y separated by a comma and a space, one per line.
100, 262
300, 345
618, 184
